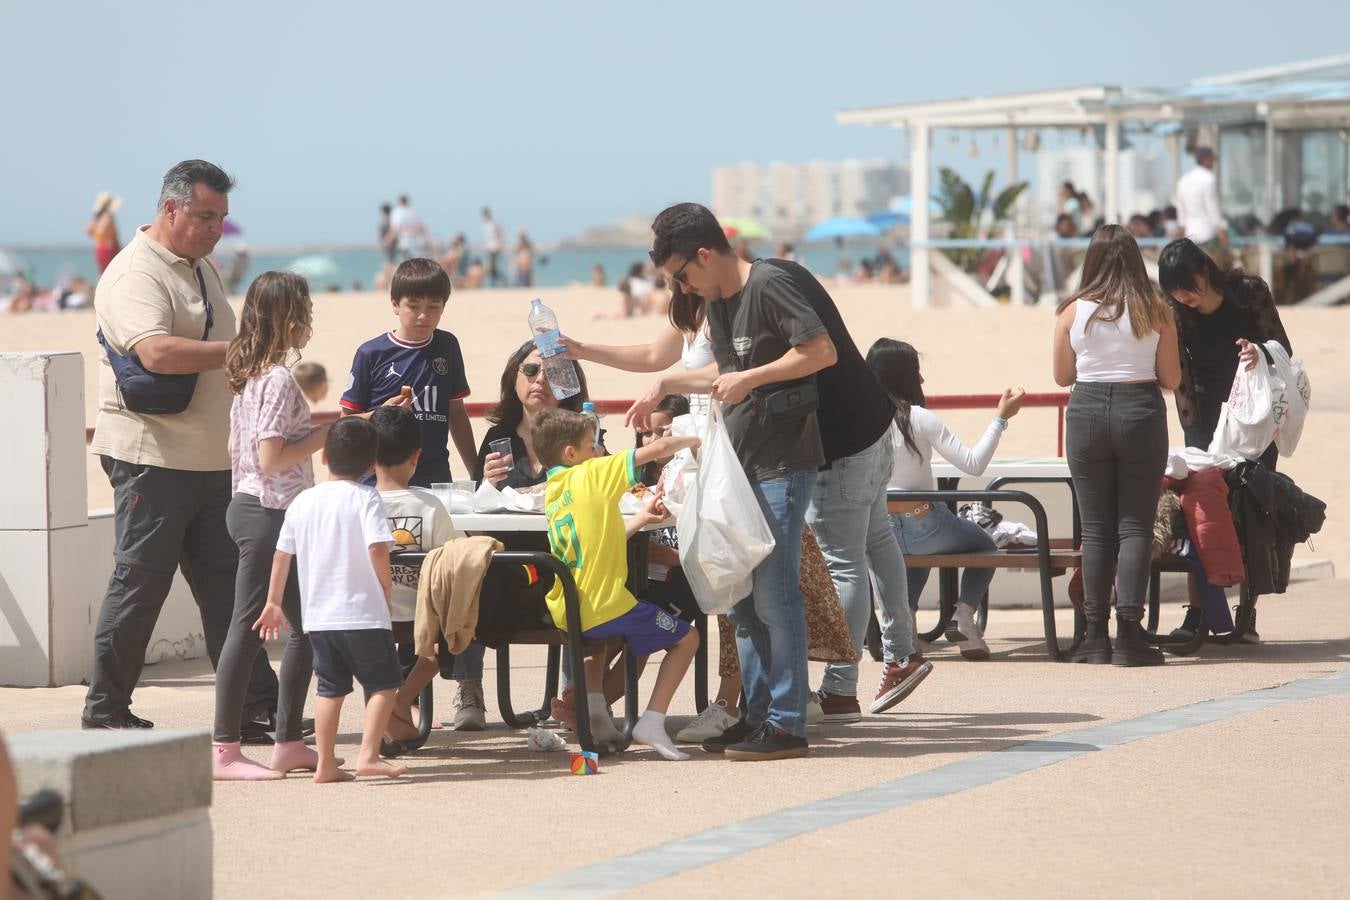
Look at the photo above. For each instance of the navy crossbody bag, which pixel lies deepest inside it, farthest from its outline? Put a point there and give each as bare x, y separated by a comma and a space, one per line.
150, 393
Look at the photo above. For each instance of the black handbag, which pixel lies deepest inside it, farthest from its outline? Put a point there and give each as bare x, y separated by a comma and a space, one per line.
151, 393
782, 401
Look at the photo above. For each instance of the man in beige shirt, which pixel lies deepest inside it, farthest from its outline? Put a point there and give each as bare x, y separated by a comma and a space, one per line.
170, 473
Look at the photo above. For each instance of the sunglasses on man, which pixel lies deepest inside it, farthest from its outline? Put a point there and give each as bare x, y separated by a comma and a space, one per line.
678, 275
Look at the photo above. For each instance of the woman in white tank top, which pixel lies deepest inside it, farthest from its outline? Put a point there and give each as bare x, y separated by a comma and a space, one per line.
1116, 343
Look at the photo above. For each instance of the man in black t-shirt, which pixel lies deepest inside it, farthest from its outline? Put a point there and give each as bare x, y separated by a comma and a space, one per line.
768, 342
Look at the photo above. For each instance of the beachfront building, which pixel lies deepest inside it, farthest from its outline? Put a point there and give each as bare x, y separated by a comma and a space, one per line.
788, 198
1282, 134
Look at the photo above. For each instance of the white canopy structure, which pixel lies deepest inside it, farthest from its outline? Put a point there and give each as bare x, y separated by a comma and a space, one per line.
1277, 107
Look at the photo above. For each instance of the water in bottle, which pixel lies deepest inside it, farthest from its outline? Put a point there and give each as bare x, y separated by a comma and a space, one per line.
588, 409
561, 373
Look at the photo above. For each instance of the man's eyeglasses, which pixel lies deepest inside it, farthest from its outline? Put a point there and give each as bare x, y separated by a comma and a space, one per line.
678, 276
531, 370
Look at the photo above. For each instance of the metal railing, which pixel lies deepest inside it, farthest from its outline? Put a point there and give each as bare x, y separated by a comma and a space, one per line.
1058, 402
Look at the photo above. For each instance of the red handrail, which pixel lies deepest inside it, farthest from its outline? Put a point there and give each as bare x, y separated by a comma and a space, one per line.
941, 401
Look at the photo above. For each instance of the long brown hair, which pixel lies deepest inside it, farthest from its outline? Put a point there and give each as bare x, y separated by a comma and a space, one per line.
275, 307
1115, 279
509, 411
687, 311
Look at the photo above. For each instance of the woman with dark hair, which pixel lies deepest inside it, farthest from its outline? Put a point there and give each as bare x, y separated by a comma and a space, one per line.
1116, 344
1221, 316
923, 527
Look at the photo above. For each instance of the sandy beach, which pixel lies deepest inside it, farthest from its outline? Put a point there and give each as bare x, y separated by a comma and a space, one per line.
965, 351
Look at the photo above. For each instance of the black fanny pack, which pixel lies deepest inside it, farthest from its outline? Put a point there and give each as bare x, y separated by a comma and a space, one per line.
150, 393
785, 401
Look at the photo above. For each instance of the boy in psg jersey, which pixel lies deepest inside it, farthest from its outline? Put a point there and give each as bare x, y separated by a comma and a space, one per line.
418, 356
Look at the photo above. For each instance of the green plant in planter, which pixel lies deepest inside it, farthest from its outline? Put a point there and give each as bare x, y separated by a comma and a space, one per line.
963, 211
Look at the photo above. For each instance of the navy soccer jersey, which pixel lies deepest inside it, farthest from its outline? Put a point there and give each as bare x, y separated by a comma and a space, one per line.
434, 369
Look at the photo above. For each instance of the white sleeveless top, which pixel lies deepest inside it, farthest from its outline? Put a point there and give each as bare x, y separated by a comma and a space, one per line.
1109, 351
696, 354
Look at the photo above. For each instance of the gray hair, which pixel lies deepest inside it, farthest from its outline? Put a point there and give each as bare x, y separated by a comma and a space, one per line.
179, 180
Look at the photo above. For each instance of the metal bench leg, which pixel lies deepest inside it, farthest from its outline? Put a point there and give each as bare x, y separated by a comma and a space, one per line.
508, 711
630, 693
550, 681
701, 664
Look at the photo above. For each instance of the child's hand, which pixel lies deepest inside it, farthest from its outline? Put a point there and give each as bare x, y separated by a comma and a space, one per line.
652, 511
270, 623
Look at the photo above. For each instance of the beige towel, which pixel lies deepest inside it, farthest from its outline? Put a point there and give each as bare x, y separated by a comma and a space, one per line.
448, 591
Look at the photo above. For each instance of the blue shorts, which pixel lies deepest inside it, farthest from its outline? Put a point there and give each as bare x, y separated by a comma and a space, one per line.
367, 654
647, 628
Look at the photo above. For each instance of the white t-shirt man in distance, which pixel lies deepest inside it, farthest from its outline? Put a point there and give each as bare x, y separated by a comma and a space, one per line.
338, 535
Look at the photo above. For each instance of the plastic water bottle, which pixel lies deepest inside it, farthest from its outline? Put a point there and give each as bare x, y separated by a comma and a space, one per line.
588, 409
561, 373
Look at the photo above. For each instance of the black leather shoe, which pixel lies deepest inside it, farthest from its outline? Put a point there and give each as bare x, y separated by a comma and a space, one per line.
1095, 647
258, 731
733, 735
1130, 648
1195, 617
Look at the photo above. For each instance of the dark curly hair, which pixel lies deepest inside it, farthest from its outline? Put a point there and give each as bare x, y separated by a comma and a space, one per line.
509, 411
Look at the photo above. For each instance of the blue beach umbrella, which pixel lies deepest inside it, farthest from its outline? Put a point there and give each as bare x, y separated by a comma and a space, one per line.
842, 227
888, 220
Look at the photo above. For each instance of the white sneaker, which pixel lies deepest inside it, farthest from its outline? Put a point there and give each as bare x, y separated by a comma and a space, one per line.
814, 714
470, 710
711, 723
973, 645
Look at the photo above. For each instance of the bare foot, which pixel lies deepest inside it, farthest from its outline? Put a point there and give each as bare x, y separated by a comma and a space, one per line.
379, 767
328, 776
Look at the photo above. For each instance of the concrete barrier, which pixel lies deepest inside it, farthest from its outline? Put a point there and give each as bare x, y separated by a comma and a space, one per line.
55, 556
138, 805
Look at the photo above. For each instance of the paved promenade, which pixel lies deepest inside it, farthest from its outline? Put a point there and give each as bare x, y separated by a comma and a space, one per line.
1224, 774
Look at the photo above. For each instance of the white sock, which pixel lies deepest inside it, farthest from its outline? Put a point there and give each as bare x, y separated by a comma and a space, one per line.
650, 731
602, 725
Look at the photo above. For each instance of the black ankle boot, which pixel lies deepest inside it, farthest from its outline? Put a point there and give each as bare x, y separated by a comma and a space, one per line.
1095, 647
1195, 617
1130, 648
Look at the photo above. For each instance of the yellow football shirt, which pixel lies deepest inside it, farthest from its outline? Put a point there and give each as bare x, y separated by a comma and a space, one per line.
586, 532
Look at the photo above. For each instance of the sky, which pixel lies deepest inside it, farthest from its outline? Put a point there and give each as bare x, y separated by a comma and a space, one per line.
559, 116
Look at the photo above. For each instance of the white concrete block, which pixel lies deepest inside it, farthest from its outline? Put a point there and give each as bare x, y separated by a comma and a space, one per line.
25, 636
168, 856
44, 452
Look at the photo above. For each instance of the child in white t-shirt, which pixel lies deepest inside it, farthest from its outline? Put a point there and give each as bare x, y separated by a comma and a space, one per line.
340, 535
419, 523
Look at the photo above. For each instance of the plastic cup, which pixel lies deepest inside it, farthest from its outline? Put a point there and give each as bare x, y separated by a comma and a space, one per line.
461, 496
444, 492
503, 447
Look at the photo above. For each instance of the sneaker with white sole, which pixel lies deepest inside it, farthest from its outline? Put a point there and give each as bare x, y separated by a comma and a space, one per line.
713, 721
898, 681
814, 713
972, 643
470, 710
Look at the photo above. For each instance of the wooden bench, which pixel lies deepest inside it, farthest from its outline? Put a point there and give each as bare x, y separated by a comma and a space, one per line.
1050, 558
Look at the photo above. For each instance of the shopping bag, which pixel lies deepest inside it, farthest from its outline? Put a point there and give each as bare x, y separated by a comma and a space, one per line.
722, 532
1247, 421
1291, 407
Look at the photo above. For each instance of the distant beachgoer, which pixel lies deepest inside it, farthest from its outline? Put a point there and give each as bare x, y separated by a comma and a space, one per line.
865, 272
492, 246
23, 298
786, 251
456, 258
384, 233
76, 293
409, 232
103, 229
1198, 212
524, 260
236, 271
1139, 227
846, 275
170, 474
598, 276
313, 380
1340, 220
1070, 206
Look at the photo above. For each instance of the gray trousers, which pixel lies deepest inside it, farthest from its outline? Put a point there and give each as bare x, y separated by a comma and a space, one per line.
255, 529
1116, 439
165, 519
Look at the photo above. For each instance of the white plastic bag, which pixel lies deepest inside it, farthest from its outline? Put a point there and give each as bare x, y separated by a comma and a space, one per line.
723, 535
1247, 421
1291, 407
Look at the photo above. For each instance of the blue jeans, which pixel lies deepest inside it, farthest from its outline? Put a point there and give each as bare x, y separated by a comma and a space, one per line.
771, 622
469, 664
943, 531
848, 515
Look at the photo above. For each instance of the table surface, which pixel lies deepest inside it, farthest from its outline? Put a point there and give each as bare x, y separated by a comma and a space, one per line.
1008, 467
517, 521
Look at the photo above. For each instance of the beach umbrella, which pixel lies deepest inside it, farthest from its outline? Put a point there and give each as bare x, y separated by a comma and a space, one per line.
748, 229
904, 205
230, 228
842, 227
315, 267
888, 220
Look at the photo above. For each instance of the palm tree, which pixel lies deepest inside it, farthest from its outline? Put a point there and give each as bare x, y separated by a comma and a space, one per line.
964, 212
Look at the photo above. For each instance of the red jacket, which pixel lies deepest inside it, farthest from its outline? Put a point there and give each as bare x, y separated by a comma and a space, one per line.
1204, 502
